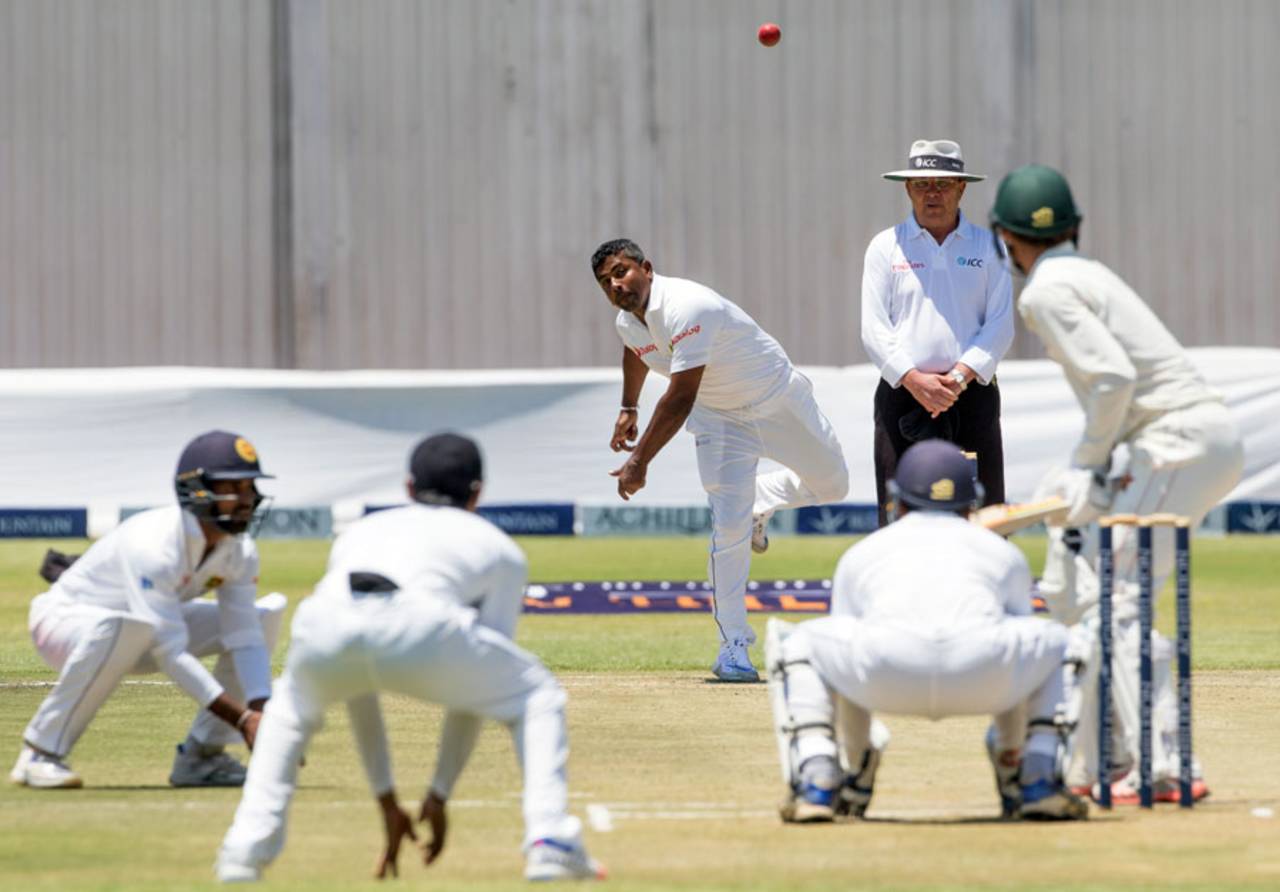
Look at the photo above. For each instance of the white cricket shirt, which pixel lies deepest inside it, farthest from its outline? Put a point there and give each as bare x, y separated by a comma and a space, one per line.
434, 551
932, 571
149, 565
928, 306
1125, 367
688, 325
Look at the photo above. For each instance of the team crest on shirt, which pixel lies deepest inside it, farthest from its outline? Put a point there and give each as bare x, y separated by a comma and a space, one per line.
943, 490
1042, 218
213, 582
245, 450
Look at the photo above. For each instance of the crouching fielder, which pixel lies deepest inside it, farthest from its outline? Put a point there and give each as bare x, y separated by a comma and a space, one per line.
930, 616
132, 605
423, 601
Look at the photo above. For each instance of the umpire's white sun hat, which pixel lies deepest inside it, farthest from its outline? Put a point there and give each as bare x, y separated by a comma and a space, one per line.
934, 158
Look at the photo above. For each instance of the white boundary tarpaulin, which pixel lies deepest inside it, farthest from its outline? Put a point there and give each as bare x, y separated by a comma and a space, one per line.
112, 436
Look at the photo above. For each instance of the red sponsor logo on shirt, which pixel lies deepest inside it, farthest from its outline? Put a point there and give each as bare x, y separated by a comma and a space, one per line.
641, 351
907, 266
684, 334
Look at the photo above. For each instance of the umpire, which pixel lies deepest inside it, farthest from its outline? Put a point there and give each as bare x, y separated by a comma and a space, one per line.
937, 316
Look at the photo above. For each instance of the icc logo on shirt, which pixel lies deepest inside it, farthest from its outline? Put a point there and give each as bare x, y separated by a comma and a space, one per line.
969, 261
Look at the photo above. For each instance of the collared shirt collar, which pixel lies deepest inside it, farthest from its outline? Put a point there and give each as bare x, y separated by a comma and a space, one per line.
915, 230
655, 297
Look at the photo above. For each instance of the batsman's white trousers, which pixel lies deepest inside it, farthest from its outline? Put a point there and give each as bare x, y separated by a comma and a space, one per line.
1011, 670
94, 648
788, 428
1183, 463
347, 649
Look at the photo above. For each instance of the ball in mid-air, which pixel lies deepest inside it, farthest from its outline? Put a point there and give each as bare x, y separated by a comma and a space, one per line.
769, 34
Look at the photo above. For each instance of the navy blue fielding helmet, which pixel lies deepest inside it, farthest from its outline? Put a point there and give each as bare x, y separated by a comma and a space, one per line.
935, 475
217, 455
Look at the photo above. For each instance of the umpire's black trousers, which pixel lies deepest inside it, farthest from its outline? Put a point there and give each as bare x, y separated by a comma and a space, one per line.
974, 426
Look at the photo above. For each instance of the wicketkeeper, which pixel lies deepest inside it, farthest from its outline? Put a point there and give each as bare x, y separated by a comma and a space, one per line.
1142, 397
930, 616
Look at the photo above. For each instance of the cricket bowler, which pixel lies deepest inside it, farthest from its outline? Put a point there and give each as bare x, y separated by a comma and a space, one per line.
732, 386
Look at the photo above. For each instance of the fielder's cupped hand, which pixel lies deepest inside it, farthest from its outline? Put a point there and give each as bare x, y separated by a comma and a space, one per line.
397, 825
433, 814
250, 730
631, 478
625, 432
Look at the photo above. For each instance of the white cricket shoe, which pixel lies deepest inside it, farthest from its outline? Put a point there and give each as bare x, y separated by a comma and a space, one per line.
760, 532
232, 872
41, 772
813, 798
733, 663
190, 769
551, 860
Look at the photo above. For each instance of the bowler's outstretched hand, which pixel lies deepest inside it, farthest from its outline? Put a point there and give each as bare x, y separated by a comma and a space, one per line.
625, 431
631, 478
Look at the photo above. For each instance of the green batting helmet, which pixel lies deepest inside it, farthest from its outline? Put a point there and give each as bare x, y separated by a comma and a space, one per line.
1035, 201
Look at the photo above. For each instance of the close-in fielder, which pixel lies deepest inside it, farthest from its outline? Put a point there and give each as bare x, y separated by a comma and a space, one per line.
930, 616
1141, 394
129, 605
742, 399
420, 600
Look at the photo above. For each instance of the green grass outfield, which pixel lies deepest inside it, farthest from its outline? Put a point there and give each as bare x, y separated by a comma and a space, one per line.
685, 767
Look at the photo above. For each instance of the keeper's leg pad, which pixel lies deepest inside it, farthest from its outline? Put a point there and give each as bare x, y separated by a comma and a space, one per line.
110, 649
803, 707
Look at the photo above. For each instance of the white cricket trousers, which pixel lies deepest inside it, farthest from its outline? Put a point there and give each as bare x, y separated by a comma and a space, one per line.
348, 649
1183, 463
94, 648
1011, 670
788, 428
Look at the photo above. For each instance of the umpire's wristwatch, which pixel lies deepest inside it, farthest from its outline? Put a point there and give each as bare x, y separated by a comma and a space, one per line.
958, 376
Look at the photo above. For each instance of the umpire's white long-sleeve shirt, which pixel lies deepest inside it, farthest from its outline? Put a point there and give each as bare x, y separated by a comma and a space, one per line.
1125, 367
437, 553
149, 566
928, 306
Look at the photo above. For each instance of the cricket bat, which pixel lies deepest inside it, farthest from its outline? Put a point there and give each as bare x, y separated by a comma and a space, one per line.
1006, 519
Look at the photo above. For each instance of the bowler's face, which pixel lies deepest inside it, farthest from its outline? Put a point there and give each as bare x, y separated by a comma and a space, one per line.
936, 201
625, 282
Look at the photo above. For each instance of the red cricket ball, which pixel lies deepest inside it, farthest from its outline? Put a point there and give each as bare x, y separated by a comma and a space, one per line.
769, 34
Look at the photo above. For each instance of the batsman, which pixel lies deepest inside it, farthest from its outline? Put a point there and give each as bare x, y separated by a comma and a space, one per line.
1156, 439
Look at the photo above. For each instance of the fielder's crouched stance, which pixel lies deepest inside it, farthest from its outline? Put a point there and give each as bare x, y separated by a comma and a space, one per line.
128, 606
420, 600
930, 616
